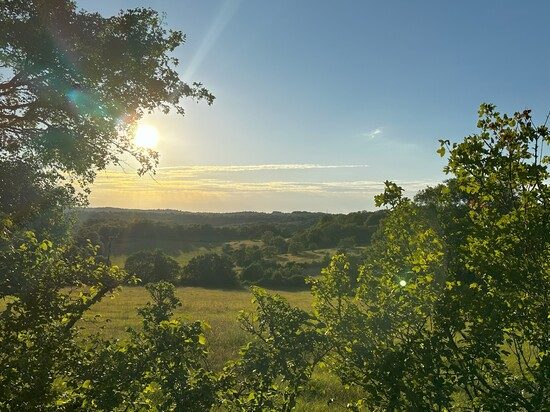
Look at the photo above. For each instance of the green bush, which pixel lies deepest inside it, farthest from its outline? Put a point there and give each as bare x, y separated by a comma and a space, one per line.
152, 266
210, 270
253, 272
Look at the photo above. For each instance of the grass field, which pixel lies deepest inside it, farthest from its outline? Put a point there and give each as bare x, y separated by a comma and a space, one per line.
219, 308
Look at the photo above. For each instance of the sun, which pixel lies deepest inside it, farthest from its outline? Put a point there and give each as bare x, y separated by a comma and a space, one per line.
147, 136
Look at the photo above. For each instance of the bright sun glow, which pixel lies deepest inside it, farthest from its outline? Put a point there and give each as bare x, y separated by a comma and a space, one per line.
147, 136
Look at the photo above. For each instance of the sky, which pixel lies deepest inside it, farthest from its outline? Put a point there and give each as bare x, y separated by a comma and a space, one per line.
318, 102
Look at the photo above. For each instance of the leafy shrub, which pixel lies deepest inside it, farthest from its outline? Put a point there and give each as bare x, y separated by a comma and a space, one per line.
275, 366
450, 309
210, 270
289, 276
253, 272
162, 366
152, 266
295, 246
275, 242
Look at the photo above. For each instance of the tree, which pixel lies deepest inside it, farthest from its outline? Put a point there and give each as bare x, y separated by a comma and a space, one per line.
48, 367
210, 270
274, 367
450, 309
346, 243
277, 243
73, 84
72, 87
152, 266
295, 246
38, 337
162, 366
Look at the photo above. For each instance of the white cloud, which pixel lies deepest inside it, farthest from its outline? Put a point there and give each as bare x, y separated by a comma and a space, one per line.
373, 133
174, 180
245, 187
197, 169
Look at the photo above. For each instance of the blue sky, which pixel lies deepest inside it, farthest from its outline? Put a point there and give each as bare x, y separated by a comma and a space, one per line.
304, 86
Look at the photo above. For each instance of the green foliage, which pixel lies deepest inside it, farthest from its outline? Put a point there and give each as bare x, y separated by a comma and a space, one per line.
392, 195
288, 276
37, 325
450, 309
152, 266
161, 367
261, 269
330, 230
295, 246
75, 84
276, 243
246, 255
210, 270
278, 362
46, 365
72, 87
253, 272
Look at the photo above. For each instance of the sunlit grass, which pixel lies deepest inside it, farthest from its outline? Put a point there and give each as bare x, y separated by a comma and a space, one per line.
218, 308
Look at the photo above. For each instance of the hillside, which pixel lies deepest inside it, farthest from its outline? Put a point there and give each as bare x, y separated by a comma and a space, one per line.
199, 218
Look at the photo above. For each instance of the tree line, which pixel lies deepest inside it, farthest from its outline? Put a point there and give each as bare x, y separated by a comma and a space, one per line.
328, 231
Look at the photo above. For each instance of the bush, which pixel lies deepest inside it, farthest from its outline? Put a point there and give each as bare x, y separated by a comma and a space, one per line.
284, 276
277, 243
210, 270
295, 246
152, 266
347, 243
253, 272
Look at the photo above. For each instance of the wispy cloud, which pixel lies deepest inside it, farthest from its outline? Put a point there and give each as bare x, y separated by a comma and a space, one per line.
373, 133
194, 170
188, 179
245, 187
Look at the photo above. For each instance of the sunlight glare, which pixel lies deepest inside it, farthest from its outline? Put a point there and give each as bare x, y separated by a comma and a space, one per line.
147, 136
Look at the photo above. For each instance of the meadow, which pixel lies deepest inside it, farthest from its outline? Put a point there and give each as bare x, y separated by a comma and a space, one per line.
219, 309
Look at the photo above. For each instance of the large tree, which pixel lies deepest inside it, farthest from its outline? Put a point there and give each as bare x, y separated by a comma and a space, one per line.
72, 86
451, 308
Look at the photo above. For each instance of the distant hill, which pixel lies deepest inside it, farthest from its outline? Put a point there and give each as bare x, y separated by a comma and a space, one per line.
175, 217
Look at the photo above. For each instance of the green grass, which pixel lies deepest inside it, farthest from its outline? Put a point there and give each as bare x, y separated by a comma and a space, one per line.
218, 308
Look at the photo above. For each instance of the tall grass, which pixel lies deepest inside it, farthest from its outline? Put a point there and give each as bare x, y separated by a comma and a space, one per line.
219, 309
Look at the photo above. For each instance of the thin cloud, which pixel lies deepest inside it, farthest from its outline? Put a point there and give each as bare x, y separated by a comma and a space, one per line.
227, 187
197, 169
373, 133
119, 182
